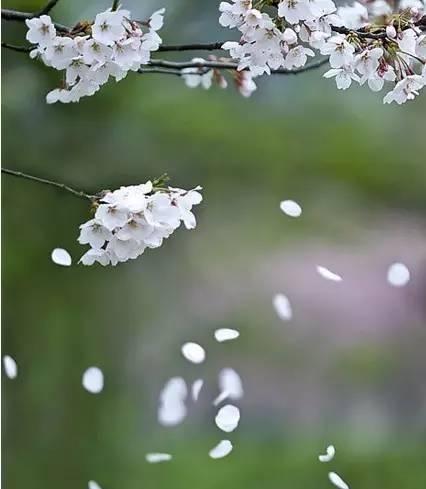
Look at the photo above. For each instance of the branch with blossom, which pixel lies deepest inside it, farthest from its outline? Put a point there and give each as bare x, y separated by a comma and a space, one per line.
371, 42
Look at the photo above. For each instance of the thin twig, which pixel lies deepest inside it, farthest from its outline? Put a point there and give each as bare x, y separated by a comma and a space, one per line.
77, 193
201, 46
17, 16
163, 71
45, 10
13, 47
114, 5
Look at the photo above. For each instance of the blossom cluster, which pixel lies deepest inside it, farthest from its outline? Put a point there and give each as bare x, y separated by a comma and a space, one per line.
205, 77
365, 42
133, 218
91, 53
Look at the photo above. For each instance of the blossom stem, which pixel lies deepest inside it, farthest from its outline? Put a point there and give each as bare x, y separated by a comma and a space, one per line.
77, 193
114, 5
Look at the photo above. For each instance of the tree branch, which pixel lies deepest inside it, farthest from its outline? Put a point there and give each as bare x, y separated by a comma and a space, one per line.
17, 16
201, 46
45, 10
220, 65
77, 193
13, 47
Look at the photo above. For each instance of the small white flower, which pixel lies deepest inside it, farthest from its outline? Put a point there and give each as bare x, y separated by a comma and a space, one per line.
111, 216
406, 89
293, 10
41, 31
341, 52
108, 27
60, 52
344, 76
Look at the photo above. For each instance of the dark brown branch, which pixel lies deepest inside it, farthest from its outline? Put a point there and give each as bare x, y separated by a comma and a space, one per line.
201, 46
45, 10
16, 16
77, 193
13, 47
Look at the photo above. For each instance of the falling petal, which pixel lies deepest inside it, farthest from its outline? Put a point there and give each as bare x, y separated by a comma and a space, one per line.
398, 275
220, 398
291, 208
93, 380
196, 388
337, 480
328, 274
193, 352
94, 485
155, 458
227, 418
61, 257
230, 382
329, 455
10, 367
222, 449
226, 334
172, 409
282, 307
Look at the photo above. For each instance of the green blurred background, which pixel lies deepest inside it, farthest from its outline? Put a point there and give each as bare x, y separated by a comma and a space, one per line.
349, 369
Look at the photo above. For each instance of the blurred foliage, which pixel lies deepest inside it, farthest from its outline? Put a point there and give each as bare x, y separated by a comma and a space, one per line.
354, 164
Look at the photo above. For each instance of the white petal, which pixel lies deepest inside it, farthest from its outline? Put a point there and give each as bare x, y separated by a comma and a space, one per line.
337, 480
93, 485
398, 275
328, 274
155, 458
227, 418
222, 449
230, 383
282, 307
196, 388
291, 208
61, 257
226, 334
93, 380
329, 455
10, 367
193, 352
221, 397
172, 409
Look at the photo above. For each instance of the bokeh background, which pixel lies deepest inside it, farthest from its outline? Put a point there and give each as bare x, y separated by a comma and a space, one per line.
349, 369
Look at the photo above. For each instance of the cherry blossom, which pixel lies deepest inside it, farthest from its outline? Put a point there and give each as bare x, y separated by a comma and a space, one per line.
131, 219
288, 32
108, 48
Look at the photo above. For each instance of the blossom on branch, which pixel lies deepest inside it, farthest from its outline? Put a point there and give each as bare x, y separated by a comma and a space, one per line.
133, 218
92, 53
366, 42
